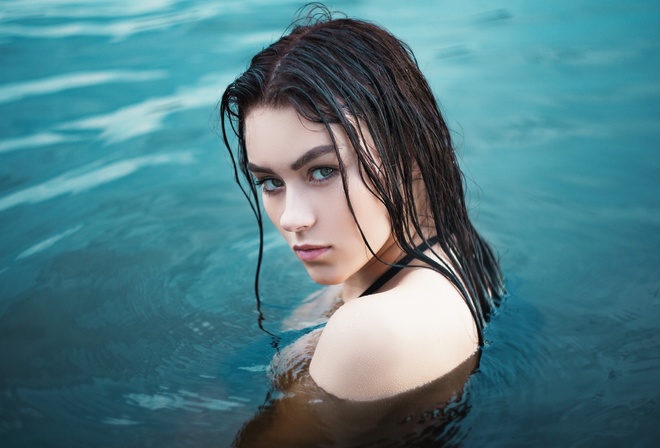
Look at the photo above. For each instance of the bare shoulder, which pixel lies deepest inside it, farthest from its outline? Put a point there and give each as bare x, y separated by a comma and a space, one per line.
387, 343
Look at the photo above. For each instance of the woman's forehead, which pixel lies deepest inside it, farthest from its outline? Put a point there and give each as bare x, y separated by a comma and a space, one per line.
273, 132
282, 134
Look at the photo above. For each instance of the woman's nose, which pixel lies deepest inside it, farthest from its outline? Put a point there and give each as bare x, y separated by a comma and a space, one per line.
298, 214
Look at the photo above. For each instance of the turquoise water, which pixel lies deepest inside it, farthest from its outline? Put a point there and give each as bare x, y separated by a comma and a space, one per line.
127, 316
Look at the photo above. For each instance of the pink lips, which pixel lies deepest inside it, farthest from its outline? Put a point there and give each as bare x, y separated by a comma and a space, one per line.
308, 252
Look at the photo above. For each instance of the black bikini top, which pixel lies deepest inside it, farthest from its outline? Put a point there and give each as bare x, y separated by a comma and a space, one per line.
451, 276
394, 269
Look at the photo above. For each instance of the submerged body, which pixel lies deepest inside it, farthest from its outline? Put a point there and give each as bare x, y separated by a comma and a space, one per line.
305, 415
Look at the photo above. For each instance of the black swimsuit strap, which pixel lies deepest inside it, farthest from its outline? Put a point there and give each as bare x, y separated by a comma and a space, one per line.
393, 270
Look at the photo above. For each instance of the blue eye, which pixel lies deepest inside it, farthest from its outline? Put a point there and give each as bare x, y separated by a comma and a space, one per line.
269, 184
323, 173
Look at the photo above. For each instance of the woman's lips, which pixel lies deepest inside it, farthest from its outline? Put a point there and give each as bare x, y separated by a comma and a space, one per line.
310, 253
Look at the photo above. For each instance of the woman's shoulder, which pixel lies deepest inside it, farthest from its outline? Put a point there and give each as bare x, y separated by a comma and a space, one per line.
387, 343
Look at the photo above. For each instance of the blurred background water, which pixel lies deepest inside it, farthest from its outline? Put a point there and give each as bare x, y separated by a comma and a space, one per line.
127, 254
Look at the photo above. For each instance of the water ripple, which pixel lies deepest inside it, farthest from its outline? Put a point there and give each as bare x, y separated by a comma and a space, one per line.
181, 400
118, 29
250, 245
30, 141
23, 9
45, 244
148, 116
72, 183
55, 84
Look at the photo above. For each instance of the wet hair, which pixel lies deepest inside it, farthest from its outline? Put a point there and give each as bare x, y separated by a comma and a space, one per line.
355, 74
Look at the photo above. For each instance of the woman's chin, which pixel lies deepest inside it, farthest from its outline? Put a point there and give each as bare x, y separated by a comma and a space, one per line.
323, 278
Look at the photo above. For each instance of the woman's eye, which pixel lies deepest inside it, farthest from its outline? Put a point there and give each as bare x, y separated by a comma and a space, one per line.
269, 185
320, 174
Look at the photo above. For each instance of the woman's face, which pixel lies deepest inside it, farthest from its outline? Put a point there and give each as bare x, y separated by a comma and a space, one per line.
295, 163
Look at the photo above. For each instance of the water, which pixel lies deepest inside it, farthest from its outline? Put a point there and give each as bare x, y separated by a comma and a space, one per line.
126, 258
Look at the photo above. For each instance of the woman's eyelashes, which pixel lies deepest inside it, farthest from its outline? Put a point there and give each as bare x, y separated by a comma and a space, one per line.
269, 184
321, 174
317, 175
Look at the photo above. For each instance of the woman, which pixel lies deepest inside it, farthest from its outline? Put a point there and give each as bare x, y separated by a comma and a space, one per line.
340, 130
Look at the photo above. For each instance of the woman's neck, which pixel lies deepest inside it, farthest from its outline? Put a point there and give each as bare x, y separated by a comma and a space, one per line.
355, 285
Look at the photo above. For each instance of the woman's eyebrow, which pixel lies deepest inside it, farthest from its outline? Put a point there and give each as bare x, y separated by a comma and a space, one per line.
301, 161
259, 169
310, 155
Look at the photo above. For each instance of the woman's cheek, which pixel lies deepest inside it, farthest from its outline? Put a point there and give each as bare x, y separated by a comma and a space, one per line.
272, 210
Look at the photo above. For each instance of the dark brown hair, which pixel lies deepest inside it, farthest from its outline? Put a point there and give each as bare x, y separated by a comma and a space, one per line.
358, 75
